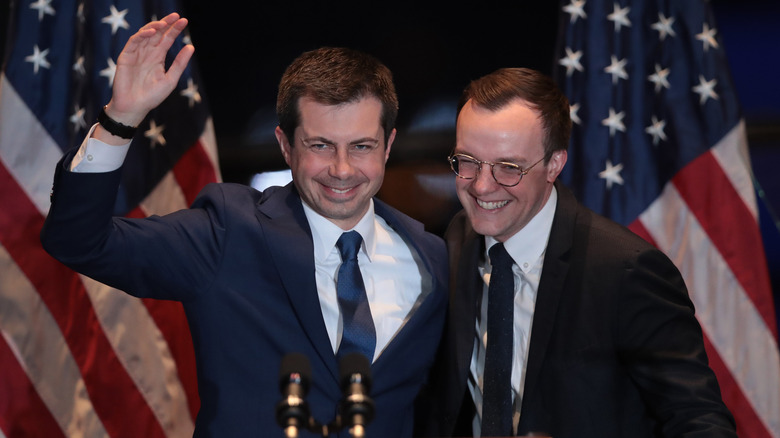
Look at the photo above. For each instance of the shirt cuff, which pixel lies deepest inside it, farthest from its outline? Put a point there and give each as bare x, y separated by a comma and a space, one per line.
94, 156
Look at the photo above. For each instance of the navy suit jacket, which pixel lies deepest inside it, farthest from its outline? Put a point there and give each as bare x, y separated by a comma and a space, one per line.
615, 349
241, 262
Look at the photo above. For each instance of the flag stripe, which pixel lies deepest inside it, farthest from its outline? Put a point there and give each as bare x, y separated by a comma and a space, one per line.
720, 211
100, 367
24, 414
169, 317
718, 298
189, 171
27, 150
43, 354
732, 155
749, 425
639, 229
143, 353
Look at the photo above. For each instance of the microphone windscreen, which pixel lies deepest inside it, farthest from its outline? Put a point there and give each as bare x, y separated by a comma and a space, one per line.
352, 364
295, 368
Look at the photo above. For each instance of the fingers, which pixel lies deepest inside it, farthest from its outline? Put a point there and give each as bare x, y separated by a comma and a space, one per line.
155, 32
168, 35
180, 62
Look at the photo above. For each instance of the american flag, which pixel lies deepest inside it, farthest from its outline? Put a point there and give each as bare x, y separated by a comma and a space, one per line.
659, 144
77, 358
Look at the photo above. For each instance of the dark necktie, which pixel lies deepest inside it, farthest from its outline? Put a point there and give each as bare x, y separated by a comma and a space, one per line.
359, 335
497, 390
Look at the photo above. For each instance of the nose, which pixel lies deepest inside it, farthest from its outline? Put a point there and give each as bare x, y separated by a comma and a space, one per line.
341, 166
484, 182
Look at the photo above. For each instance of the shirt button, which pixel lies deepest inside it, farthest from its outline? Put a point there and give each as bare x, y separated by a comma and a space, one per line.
525, 265
89, 157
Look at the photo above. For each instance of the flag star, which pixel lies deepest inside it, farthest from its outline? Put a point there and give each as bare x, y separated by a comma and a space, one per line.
707, 36
571, 61
612, 174
664, 26
191, 93
619, 16
614, 122
38, 59
575, 118
617, 68
706, 89
78, 66
109, 72
116, 20
659, 78
43, 7
656, 129
154, 134
575, 10
77, 118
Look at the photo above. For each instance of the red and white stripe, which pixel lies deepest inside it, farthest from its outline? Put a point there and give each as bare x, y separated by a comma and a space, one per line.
706, 220
75, 356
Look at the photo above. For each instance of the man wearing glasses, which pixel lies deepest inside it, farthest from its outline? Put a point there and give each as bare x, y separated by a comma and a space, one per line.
561, 323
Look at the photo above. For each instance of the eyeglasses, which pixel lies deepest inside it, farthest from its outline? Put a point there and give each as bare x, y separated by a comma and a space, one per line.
506, 174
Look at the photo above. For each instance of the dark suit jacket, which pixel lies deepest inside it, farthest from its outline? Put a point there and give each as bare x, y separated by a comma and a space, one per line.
615, 349
242, 264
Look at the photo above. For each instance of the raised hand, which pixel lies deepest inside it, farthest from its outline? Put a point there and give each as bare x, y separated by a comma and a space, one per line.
141, 82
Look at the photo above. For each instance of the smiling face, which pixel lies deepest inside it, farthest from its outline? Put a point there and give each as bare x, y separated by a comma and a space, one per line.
511, 134
338, 157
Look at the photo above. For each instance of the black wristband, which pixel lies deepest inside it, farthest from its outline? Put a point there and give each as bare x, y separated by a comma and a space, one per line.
114, 127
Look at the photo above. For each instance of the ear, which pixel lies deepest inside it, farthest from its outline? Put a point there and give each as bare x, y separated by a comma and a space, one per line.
390, 139
555, 166
284, 144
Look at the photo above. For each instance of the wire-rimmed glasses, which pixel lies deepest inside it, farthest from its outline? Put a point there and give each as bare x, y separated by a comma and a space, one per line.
505, 173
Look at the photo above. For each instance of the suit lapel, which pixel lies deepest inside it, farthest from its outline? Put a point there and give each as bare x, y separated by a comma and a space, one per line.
290, 244
551, 286
468, 286
465, 249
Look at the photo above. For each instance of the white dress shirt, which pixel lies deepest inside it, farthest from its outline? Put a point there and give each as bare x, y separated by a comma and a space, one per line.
527, 249
395, 278
96, 156
394, 275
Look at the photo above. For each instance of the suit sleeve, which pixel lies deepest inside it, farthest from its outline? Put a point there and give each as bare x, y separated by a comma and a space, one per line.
170, 257
661, 343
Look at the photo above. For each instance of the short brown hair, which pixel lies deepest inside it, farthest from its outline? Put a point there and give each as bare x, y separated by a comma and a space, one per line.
498, 89
332, 76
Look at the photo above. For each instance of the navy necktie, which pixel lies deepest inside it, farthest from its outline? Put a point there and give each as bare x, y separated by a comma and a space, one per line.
497, 390
359, 334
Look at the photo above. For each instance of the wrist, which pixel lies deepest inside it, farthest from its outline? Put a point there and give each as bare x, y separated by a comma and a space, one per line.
115, 127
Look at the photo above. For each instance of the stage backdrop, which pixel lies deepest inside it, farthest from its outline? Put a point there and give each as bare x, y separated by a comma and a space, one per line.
77, 358
659, 145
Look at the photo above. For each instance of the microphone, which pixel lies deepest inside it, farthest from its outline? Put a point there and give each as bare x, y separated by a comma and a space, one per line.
292, 412
357, 408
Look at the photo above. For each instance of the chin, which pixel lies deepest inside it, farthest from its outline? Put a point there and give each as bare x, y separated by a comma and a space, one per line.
486, 229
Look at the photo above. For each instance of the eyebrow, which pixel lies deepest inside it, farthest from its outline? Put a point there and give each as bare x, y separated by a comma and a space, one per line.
516, 160
328, 141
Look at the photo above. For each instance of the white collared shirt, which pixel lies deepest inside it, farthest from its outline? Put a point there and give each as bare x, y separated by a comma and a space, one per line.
527, 248
395, 278
95, 156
